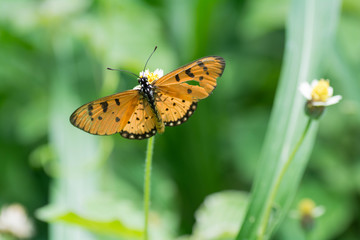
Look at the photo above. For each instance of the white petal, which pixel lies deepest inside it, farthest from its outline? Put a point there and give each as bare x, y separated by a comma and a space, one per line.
159, 72
314, 83
318, 211
144, 73
333, 100
330, 91
305, 90
319, 104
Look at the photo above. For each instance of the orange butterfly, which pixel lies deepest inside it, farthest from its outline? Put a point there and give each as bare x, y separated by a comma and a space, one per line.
141, 112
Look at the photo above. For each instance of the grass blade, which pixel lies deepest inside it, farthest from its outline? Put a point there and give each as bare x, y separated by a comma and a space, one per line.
310, 32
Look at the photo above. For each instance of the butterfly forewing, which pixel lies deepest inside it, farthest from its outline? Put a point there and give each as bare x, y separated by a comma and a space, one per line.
106, 115
203, 71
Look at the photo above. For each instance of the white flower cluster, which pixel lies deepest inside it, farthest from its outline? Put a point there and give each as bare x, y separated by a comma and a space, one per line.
152, 76
319, 93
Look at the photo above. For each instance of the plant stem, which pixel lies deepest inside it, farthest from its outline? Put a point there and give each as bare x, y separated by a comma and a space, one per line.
147, 181
270, 202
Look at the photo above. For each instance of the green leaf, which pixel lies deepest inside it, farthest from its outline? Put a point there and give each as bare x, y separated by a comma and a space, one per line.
219, 216
310, 34
94, 220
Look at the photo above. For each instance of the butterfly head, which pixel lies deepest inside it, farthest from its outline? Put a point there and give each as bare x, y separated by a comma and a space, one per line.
150, 76
143, 81
146, 78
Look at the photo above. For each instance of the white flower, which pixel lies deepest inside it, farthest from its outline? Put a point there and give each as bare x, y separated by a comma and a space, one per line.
307, 212
307, 207
144, 73
13, 220
152, 76
319, 93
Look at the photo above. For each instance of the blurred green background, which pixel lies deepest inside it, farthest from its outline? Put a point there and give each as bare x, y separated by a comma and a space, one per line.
53, 58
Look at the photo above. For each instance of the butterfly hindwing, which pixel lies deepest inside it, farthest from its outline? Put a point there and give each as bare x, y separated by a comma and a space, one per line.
201, 74
184, 91
174, 111
142, 123
107, 115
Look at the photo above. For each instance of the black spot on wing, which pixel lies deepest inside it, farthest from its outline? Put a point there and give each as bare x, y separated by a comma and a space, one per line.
104, 106
189, 73
201, 64
177, 78
138, 136
184, 118
90, 108
117, 101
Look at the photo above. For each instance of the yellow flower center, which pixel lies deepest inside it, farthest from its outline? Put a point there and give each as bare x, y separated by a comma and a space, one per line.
320, 92
152, 77
306, 206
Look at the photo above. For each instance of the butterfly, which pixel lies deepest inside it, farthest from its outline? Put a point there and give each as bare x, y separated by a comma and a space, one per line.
145, 110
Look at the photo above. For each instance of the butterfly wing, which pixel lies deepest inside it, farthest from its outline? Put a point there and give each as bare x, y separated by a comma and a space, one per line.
142, 123
130, 114
202, 73
177, 99
173, 110
127, 113
107, 115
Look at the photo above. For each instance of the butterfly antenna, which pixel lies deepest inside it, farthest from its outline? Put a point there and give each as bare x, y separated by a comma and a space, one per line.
123, 71
149, 58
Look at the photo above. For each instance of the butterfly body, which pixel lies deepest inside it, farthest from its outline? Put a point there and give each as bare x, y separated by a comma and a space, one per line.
145, 110
147, 91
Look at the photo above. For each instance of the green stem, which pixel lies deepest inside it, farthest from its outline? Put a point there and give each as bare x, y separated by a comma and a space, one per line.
147, 181
275, 189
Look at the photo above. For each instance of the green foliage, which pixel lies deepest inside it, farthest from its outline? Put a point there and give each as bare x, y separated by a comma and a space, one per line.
99, 220
219, 216
54, 56
306, 38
